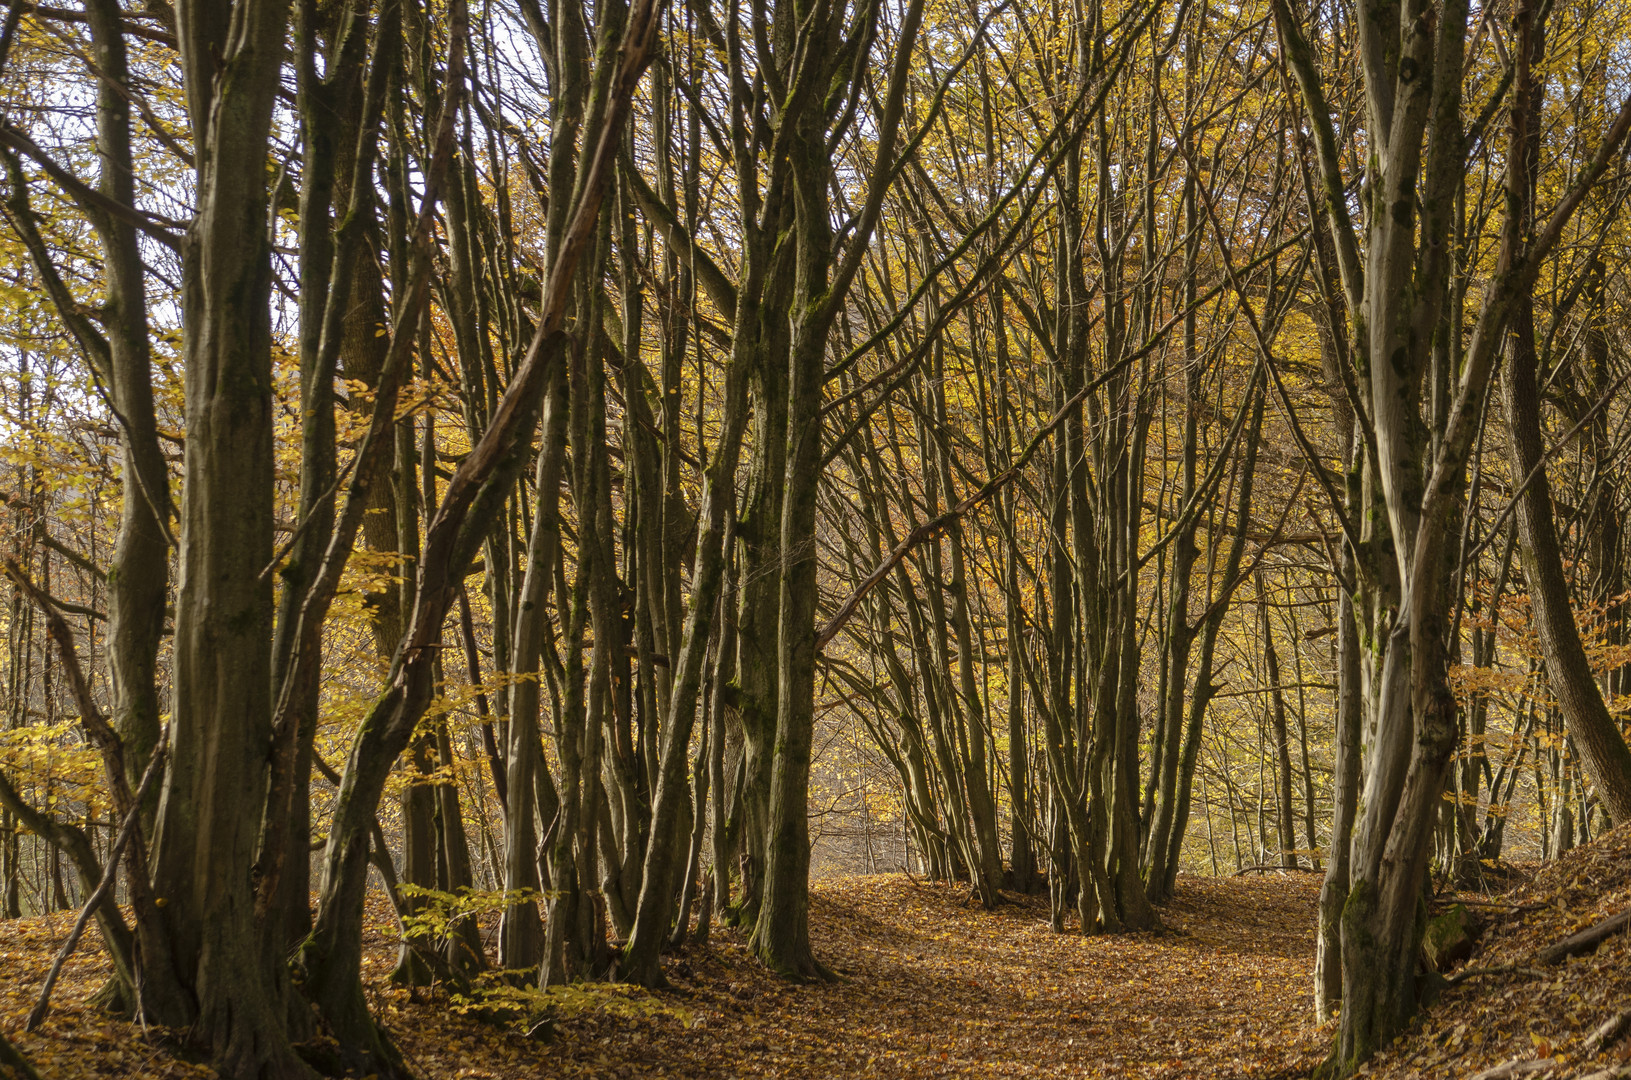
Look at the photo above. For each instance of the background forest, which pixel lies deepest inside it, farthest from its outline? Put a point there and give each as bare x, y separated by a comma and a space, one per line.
585, 469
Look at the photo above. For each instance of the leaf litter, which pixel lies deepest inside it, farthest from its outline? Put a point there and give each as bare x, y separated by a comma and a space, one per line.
929, 986
932, 986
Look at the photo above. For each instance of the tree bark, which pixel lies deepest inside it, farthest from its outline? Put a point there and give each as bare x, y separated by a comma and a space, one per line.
210, 812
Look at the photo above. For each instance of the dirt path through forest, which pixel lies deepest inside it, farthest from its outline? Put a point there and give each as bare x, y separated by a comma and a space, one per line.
933, 987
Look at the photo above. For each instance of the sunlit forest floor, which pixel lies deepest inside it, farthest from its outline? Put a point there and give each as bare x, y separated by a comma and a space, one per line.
931, 986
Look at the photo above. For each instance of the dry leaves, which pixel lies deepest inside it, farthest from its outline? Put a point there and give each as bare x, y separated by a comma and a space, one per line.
78, 1039
932, 987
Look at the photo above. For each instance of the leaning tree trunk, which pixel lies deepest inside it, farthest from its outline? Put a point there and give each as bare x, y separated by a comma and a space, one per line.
1603, 751
331, 957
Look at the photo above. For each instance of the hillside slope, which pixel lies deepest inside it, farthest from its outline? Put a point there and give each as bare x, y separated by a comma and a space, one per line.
1509, 1007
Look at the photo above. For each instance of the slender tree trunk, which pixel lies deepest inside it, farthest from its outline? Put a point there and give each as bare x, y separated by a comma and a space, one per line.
1344, 801
1285, 823
533, 798
1603, 750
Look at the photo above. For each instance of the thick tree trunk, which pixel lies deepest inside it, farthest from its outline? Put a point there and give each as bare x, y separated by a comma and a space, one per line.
210, 813
781, 936
759, 530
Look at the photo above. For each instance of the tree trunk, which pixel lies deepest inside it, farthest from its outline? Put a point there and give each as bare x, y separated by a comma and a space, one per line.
1603, 751
1285, 823
209, 816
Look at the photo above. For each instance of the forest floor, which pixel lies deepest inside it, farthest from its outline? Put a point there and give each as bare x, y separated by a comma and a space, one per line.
931, 986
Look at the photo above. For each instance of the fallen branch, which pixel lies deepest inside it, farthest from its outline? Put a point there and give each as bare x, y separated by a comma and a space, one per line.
109, 875
1505, 905
1586, 940
1505, 969
1607, 1033
1516, 1068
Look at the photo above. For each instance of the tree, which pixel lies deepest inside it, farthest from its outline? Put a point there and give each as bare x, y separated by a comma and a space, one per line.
1395, 276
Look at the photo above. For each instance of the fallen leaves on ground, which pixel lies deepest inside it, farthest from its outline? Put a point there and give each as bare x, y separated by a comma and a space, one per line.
78, 1039
931, 986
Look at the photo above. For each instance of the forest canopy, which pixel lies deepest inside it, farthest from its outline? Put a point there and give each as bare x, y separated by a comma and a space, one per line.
578, 470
